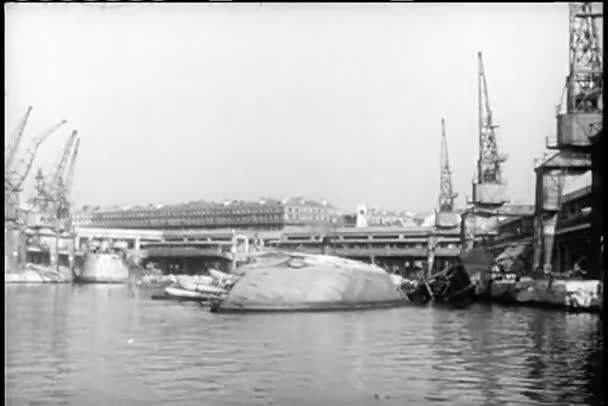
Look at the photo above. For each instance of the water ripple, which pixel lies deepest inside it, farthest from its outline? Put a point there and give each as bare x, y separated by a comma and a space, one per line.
97, 345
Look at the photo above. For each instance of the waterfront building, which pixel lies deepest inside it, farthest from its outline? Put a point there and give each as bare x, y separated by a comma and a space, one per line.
514, 238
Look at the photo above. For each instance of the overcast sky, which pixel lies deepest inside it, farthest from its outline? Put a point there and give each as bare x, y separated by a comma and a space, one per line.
180, 102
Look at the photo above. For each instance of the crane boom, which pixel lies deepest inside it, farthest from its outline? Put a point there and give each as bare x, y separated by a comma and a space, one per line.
69, 177
18, 174
446, 192
488, 165
11, 150
61, 166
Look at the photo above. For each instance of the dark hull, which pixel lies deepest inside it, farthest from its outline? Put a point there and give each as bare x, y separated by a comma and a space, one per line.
311, 307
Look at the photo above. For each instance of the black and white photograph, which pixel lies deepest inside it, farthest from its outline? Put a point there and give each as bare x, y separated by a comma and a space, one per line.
304, 203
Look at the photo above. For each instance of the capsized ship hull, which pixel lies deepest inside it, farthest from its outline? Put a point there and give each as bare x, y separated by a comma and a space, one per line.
310, 283
103, 268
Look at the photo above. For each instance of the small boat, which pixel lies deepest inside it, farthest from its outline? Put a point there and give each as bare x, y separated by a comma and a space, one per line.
452, 286
220, 275
184, 294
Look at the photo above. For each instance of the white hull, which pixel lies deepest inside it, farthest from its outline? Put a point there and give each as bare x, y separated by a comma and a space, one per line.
313, 283
104, 268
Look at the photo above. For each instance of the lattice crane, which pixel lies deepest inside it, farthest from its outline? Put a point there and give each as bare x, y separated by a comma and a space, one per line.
585, 80
69, 177
65, 185
51, 198
488, 187
576, 126
446, 192
488, 164
17, 174
582, 118
56, 180
11, 149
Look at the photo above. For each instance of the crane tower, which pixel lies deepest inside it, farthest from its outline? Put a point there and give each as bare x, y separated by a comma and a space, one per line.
445, 216
446, 192
585, 82
488, 187
579, 126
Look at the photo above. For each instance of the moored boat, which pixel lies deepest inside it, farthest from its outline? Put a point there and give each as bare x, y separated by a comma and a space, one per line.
176, 293
103, 267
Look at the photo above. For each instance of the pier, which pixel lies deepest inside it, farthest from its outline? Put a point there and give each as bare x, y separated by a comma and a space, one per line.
398, 250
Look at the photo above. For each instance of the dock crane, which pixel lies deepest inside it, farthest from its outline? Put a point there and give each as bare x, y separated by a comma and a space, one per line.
11, 150
488, 187
65, 186
17, 174
51, 195
446, 192
445, 215
578, 128
56, 179
14, 176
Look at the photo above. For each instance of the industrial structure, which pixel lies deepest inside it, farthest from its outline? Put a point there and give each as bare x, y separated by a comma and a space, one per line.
579, 127
398, 250
16, 171
489, 189
445, 215
489, 197
562, 231
49, 214
558, 230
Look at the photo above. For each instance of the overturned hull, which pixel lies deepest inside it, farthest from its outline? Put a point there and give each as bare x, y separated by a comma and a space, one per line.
103, 268
311, 282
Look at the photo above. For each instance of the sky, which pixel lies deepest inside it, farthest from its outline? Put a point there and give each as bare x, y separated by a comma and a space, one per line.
343, 102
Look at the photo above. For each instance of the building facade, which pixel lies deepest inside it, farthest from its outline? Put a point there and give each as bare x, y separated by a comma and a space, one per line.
265, 214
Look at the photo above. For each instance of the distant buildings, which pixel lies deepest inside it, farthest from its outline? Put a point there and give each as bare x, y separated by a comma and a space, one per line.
265, 214
371, 217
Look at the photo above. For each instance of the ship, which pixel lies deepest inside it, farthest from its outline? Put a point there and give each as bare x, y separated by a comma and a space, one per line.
103, 266
304, 282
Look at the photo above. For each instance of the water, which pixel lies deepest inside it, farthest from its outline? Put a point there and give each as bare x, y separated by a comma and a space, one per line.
101, 345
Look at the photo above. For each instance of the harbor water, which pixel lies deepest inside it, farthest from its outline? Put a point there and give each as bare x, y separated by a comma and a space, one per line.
112, 344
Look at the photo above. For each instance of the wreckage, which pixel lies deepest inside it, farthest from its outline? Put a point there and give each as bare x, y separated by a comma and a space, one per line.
281, 281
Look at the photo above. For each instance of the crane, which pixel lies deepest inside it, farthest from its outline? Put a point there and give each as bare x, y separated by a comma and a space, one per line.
11, 149
585, 80
17, 175
58, 175
489, 191
69, 177
65, 185
577, 126
446, 193
51, 197
488, 164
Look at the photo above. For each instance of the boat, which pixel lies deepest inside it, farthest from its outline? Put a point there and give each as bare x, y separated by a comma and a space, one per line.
184, 294
452, 286
219, 275
103, 267
289, 281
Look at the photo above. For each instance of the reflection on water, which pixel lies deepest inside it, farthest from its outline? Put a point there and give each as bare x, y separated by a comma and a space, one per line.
96, 344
